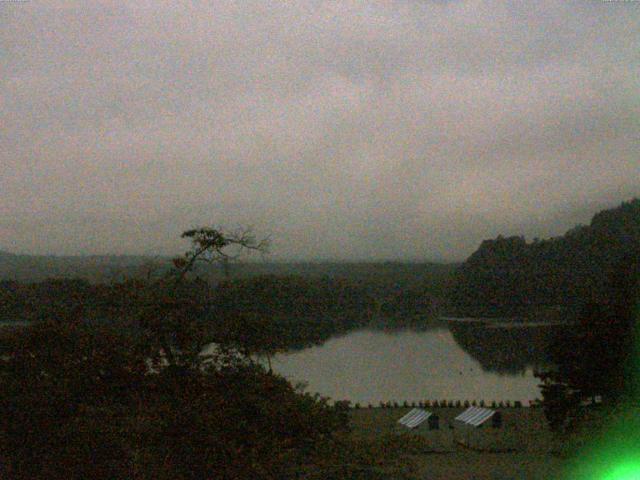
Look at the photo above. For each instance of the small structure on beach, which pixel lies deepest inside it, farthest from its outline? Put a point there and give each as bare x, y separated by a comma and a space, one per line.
474, 416
479, 428
419, 421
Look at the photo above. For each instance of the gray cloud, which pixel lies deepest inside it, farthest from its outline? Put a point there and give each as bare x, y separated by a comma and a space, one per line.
403, 129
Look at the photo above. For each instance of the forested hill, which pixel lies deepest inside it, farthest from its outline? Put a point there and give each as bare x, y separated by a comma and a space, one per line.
108, 268
94, 268
508, 276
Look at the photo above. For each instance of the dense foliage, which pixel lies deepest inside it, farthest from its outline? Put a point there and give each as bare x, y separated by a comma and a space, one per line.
283, 313
293, 310
81, 402
116, 382
598, 358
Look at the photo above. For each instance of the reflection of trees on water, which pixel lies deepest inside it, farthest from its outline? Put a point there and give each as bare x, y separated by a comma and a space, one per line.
416, 323
505, 350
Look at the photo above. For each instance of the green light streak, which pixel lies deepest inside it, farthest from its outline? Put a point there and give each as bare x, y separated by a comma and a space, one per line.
625, 471
613, 453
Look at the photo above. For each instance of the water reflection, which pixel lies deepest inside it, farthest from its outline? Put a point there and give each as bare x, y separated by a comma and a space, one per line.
507, 350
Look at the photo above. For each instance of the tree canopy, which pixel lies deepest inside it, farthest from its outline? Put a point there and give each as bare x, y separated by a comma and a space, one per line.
127, 391
509, 277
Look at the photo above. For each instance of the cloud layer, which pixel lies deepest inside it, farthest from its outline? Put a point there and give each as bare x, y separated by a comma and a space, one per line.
349, 130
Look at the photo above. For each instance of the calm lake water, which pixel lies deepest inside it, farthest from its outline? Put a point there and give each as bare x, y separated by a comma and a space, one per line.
446, 362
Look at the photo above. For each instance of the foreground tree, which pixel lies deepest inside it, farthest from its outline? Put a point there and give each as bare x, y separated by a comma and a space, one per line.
80, 402
597, 359
64, 388
133, 396
171, 309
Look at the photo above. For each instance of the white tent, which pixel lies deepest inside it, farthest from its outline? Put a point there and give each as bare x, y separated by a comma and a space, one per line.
475, 416
414, 418
427, 425
469, 429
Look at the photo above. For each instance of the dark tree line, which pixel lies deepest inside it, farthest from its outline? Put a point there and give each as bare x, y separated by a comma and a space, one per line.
297, 311
508, 276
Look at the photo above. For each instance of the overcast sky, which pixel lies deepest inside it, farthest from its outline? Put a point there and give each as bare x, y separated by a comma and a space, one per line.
406, 129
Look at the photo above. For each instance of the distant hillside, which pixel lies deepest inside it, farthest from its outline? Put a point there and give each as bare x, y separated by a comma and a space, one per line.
509, 276
100, 269
95, 268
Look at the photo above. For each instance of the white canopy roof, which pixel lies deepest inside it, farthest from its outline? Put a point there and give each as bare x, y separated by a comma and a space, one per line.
414, 418
475, 416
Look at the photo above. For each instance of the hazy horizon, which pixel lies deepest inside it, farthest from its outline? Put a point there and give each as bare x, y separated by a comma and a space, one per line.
405, 130
268, 257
